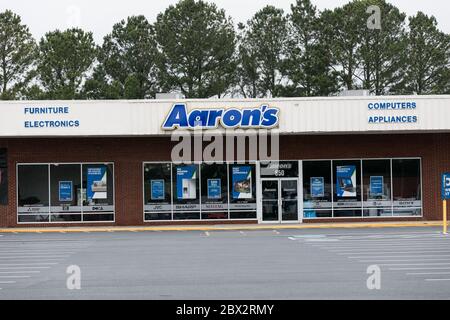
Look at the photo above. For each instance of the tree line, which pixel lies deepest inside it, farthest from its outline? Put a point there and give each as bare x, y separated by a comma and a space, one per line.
195, 49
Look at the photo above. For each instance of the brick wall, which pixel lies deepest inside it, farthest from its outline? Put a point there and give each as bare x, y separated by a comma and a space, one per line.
129, 153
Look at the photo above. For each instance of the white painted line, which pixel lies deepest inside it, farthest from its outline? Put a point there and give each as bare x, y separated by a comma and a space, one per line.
426, 273
15, 268
415, 264
7, 282
420, 268
437, 279
14, 277
34, 257
375, 246
392, 240
390, 252
18, 272
388, 248
207, 234
404, 260
28, 264
276, 231
402, 256
242, 233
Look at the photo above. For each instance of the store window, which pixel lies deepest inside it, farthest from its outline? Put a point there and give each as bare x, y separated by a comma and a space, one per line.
58, 193
317, 189
98, 186
214, 191
218, 191
406, 183
242, 185
347, 188
186, 191
65, 192
3, 176
33, 193
158, 191
377, 188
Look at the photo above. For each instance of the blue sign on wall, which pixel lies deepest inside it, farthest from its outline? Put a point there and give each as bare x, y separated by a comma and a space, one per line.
346, 181
445, 186
317, 187
214, 189
65, 191
376, 186
187, 182
157, 190
242, 182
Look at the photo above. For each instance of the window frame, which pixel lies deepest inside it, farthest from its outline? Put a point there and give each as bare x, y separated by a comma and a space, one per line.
49, 221
392, 216
227, 163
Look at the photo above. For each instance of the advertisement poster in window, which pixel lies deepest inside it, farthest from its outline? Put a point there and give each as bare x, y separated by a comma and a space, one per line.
317, 187
346, 181
376, 186
97, 187
157, 190
65, 191
214, 189
242, 182
187, 182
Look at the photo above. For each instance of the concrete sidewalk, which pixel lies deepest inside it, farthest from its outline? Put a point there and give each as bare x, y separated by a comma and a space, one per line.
222, 227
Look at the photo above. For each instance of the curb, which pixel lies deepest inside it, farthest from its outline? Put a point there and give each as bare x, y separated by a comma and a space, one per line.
226, 228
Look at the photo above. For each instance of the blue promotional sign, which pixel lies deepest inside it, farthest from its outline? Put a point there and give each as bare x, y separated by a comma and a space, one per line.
187, 182
157, 190
376, 186
97, 186
214, 189
445, 186
242, 182
65, 191
346, 181
317, 187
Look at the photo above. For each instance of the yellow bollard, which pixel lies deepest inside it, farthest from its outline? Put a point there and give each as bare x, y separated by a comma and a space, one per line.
444, 217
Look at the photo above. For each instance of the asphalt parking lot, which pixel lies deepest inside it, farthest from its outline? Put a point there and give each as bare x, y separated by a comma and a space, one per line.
263, 264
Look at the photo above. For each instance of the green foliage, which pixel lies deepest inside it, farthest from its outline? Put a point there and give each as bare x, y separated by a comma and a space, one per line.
128, 51
65, 58
428, 67
17, 56
262, 47
193, 49
309, 60
197, 43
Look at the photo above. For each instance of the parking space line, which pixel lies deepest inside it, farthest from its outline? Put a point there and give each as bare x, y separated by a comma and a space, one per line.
16, 267
403, 260
7, 282
415, 264
14, 277
437, 279
426, 273
19, 272
28, 264
35, 257
419, 268
389, 252
401, 256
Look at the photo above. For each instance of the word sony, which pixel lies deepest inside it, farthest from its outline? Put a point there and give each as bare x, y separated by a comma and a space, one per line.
179, 117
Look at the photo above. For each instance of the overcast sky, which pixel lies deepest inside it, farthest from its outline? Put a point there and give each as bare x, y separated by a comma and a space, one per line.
99, 16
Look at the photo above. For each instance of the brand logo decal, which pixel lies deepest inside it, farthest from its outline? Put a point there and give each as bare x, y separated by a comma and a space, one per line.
179, 118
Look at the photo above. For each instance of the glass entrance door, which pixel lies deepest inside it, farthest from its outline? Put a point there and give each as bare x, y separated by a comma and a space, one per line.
270, 201
279, 200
